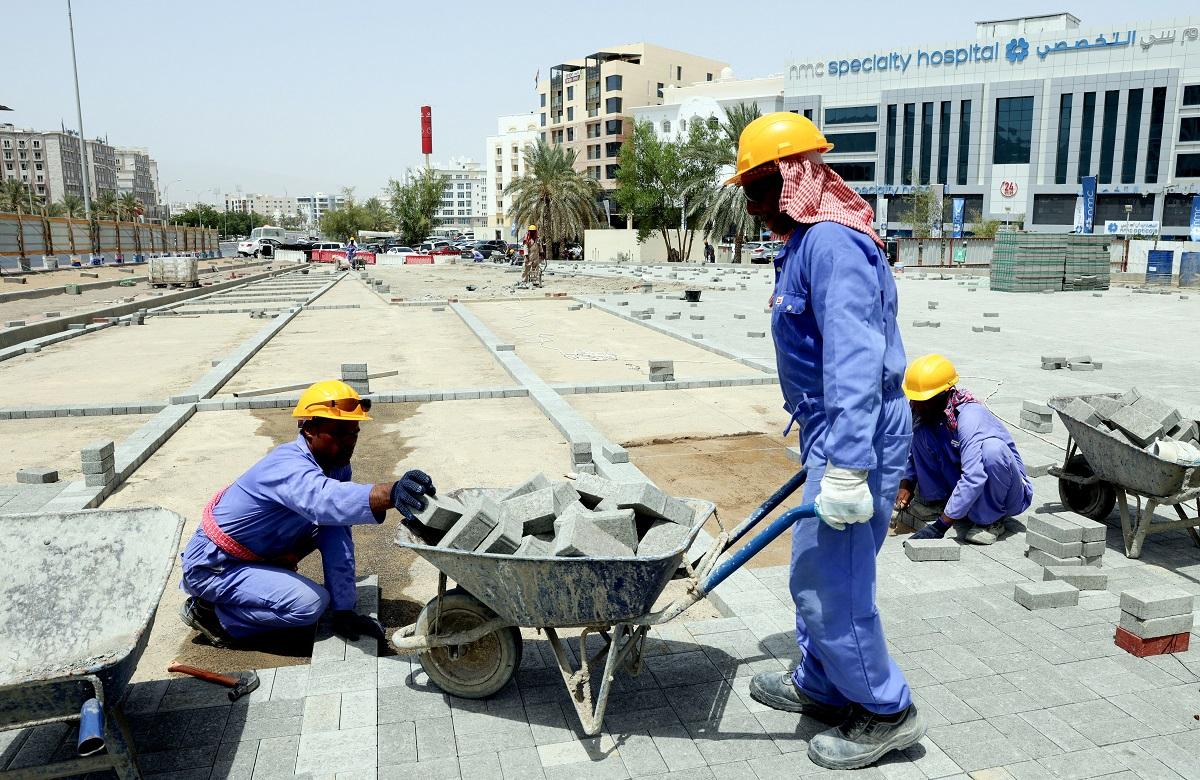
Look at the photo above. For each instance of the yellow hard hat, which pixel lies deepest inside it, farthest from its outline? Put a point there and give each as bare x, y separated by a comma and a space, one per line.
927, 376
333, 399
533, 228
777, 135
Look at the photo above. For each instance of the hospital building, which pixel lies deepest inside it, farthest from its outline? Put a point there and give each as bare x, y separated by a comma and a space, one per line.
1010, 121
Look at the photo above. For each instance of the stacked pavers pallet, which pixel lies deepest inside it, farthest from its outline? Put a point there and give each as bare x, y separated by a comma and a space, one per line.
1044, 262
1155, 620
1060, 540
99, 463
355, 375
1037, 417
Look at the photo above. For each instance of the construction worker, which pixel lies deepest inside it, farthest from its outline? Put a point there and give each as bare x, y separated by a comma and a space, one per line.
531, 274
841, 364
240, 566
963, 464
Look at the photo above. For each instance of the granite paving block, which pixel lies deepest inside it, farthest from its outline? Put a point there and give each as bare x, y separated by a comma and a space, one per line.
1153, 628
1056, 548
1046, 594
575, 536
322, 712
473, 528
1156, 601
37, 476
337, 751
663, 537
537, 509
1043, 558
97, 451
397, 744
1166, 416
440, 512
932, 549
1137, 426
1081, 577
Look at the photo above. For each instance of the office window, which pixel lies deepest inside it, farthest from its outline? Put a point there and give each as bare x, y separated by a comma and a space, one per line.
1054, 209
1014, 130
570, 113
678, 73
37, 144
1063, 152
926, 140
610, 171
570, 93
855, 171
1088, 122
906, 152
543, 120
613, 82
964, 141
808, 112
612, 127
943, 162
612, 105
543, 98
660, 89
889, 149
1133, 124
1187, 166
666, 125
1108, 135
1191, 95
594, 130
1158, 104
844, 143
851, 114
612, 148
708, 77
1189, 129
570, 134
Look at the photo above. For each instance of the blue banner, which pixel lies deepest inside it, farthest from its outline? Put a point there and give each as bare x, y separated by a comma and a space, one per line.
1089, 204
957, 207
1195, 222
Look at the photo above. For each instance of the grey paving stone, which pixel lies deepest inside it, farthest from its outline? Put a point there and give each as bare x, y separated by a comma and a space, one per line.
397, 743
1156, 602
358, 708
438, 769
322, 712
176, 762
682, 669
235, 760
337, 751
179, 729
521, 764
1078, 765
516, 736
276, 758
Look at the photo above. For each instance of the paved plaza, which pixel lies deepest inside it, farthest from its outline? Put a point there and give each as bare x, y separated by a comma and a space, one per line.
1007, 692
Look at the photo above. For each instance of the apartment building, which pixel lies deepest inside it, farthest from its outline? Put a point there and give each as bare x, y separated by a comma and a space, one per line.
505, 161
271, 206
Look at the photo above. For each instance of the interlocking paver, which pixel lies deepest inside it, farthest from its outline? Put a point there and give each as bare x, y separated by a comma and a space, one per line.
397, 743
337, 751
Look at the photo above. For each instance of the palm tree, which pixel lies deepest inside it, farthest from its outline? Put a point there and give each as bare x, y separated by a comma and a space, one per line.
725, 210
560, 200
105, 206
72, 205
16, 197
129, 207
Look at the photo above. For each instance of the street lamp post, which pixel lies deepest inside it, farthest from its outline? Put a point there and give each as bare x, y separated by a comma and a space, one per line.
1128, 216
83, 160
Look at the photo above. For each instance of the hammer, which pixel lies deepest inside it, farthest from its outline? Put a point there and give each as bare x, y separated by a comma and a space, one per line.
238, 685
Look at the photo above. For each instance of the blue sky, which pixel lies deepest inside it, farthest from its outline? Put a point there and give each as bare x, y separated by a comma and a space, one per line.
299, 96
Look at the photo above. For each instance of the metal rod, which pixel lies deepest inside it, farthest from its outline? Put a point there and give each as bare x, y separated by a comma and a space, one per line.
755, 545
83, 158
768, 506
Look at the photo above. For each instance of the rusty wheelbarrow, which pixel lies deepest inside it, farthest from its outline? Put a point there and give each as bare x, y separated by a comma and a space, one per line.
469, 637
77, 600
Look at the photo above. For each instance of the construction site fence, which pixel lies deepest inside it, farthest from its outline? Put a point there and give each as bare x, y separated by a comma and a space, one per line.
30, 236
946, 252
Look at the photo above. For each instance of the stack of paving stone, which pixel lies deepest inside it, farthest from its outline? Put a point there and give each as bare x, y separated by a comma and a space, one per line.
662, 370
1077, 363
589, 517
1046, 262
1133, 418
1036, 417
1154, 620
1058, 540
99, 464
355, 375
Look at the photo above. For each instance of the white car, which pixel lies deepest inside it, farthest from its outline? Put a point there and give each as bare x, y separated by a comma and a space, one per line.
254, 247
401, 250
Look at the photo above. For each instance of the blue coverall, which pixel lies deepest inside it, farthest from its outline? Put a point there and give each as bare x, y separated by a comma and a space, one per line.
284, 504
977, 470
841, 364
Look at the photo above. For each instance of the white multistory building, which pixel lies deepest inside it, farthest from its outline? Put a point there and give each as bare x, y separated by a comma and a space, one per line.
273, 207
312, 207
505, 161
462, 207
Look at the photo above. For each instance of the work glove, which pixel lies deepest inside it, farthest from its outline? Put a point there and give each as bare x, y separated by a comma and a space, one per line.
408, 493
844, 497
935, 530
350, 625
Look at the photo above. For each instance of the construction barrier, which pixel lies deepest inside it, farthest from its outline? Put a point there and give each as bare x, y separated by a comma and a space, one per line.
418, 259
336, 255
945, 252
34, 237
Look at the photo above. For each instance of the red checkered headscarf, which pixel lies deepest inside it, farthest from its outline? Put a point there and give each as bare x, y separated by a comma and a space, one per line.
813, 193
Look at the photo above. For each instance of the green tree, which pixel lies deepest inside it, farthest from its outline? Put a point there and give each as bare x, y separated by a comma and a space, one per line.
347, 219
129, 207
16, 197
924, 211
72, 205
377, 215
725, 210
982, 228
204, 215
105, 205
665, 183
560, 200
414, 202
291, 221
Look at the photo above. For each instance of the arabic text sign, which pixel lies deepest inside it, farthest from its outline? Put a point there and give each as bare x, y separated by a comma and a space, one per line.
1133, 227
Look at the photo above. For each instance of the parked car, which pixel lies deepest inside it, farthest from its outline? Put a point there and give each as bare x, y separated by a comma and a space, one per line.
401, 250
432, 247
762, 251
254, 247
573, 251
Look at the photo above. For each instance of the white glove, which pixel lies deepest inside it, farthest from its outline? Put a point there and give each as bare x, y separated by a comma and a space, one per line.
844, 498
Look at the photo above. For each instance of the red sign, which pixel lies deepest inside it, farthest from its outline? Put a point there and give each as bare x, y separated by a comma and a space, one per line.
1008, 188
426, 130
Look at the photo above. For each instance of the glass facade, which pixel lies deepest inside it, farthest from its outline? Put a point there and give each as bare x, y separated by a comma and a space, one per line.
1158, 104
889, 149
854, 171
1087, 124
612, 148
1054, 209
845, 143
612, 83
964, 141
926, 141
1133, 125
1108, 135
1063, 152
1187, 165
1013, 136
612, 127
1191, 95
612, 105
1189, 129
943, 143
906, 154
845, 116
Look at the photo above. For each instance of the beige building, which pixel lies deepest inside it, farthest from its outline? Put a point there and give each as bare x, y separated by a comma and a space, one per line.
587, 104
505, 161
271, 206
137, 174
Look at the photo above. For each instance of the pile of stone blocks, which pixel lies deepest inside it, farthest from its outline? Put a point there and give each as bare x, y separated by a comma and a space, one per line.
1036, 417
932, 550
662, 370
355, 375
590, 517
1058, 540
581, 456
1134, 418
1047, 594
1156, 619
1077, 363
99, 464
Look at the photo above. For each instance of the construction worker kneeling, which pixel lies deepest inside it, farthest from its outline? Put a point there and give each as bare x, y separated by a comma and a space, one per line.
240, 566
963, 464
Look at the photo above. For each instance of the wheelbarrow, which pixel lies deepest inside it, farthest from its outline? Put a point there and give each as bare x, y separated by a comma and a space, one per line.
77, 601
469, 637
1100, 470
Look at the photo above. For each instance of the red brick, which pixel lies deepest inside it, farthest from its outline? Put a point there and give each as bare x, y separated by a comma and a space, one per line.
1130, 643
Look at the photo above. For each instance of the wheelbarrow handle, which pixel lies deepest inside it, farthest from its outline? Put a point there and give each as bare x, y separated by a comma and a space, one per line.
767, 507
755, 545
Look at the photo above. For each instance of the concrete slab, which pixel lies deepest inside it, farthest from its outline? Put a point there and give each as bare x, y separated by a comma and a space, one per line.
55, 441
633, 418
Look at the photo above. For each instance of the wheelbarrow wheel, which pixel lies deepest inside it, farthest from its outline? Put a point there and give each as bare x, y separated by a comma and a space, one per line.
473, 671
1094, 500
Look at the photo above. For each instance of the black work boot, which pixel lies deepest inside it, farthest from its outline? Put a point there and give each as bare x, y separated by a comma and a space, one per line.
864, 737
779, 690
202, 616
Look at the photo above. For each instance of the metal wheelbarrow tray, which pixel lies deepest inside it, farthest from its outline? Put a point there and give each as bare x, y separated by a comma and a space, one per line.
469, 637
77, 601
1101, 470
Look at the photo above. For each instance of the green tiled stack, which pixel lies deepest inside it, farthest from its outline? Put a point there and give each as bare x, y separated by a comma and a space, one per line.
1036, 262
